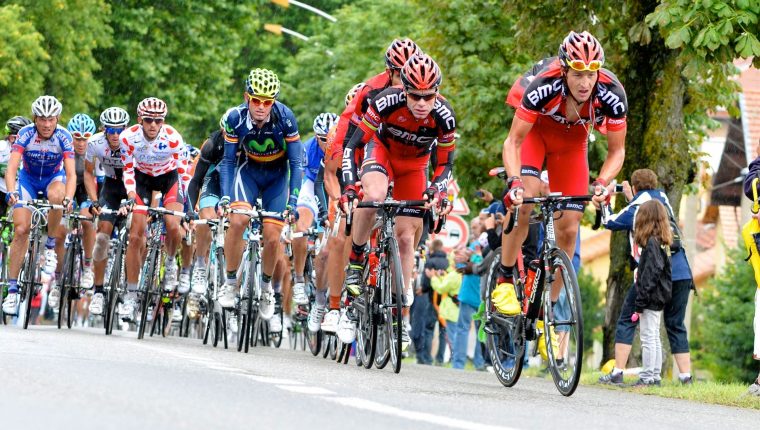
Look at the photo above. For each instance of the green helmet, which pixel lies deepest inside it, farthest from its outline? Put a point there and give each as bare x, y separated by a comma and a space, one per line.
262, 82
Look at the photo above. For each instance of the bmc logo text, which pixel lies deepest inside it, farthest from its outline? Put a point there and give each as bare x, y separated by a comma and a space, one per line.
611, 99
389, 100
410, 137
543, 91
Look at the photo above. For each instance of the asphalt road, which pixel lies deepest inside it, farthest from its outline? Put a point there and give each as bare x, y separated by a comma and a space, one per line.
81, 379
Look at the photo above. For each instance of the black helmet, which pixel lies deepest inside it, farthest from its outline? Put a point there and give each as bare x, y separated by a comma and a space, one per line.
15, 124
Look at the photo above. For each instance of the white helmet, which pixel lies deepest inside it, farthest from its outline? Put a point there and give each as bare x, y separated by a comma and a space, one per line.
114, 117
46, 106
324, 122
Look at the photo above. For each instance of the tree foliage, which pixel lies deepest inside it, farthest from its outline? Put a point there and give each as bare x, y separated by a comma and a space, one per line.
724, 340
23, 62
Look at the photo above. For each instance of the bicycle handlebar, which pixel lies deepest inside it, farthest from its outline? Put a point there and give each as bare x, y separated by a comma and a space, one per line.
551, 199
385, 204
40, 204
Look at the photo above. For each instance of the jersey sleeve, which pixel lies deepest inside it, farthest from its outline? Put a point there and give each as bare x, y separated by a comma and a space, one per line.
67, 143
127, 159
613, 100
535, 89
446, 145
295, 153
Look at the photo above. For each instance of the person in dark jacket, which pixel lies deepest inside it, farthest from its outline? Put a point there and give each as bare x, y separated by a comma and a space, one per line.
423, 316
643, 188
652, 237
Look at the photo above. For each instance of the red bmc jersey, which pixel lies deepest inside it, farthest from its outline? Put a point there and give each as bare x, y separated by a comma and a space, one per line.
391, 122
542, 91
352, 115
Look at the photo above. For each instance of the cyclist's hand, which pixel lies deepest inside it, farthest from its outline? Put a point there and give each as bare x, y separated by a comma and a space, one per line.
68, 205
12, 198
190, 216
601, 193
95, 208
290, 215
223, 205
513, 197
349, 198
126, 207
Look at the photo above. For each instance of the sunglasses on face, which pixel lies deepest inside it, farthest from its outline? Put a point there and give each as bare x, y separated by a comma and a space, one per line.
417, 97
259, 101
152, 120
79, 136
322, 138
580, 66
114, 130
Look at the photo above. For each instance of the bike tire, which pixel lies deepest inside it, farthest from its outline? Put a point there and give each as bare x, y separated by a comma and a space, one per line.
65, 286
314, 341
366, 333
502, 340
114, 283
147, 281
394, 302
32, 273
567, 375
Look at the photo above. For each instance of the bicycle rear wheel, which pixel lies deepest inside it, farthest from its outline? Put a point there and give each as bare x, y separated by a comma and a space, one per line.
366, 330
393, 285
64, 304
505, 336
563, 326
114, 284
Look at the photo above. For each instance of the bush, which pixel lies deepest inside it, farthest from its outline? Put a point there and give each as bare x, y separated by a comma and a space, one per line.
723, 323
593, 310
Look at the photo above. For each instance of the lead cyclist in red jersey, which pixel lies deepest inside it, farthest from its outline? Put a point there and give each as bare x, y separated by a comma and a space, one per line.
400, 129
559, 102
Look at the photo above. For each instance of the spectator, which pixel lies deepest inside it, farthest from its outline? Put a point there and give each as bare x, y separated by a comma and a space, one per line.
469, 300
653, 284
643, 188
423, 315
445, 290
751, 191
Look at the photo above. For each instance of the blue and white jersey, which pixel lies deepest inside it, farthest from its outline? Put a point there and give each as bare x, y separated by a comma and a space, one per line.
43, 158
312, 159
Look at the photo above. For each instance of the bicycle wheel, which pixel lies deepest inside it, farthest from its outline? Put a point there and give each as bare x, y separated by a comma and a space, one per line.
114, 285
32, 280
147, 280
563, 326
382, 353
3, 278
64, 304
314, 340
393, 284
366, 330
505, 336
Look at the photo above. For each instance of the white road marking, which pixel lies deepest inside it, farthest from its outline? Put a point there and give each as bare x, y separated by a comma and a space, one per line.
380, 408
305, 389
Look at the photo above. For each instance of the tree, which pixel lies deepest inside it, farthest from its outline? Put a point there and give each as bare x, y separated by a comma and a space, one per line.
337, 57
23, 64
725, 322
72, 30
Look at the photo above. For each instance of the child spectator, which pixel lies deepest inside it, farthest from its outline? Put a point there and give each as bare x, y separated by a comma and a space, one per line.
652, 236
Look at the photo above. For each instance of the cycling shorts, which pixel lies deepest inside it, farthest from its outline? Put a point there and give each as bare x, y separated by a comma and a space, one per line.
254, 181
564, 152
167, 184
307, 199
112, 192
81, 199
210, 191
30, 186
409, 175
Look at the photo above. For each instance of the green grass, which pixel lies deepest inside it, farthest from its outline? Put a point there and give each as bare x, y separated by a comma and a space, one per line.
717, 393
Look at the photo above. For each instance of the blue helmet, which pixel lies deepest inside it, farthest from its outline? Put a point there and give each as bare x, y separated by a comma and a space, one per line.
82, 123
324, 122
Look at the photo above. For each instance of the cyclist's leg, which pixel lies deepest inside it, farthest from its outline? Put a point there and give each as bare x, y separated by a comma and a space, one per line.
532, 154
55, 193
112, 192
307, 212
244, 194
375, 175
22, 219
173, 200
88, 230
410, 177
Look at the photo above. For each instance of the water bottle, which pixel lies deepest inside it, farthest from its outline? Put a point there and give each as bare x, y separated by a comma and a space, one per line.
530, 280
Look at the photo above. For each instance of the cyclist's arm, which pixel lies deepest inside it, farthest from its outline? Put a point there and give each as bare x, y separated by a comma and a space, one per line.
615, 155
69, 165
193, 190
12, 170
128, 173
227, 166
295, 159
510, 153
89, 180
332, 184
319, 189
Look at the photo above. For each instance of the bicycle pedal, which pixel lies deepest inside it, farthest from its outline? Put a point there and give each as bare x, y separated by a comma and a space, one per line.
488, 328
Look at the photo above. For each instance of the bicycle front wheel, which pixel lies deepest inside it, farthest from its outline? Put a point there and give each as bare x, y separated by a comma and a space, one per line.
563, 325
392, 290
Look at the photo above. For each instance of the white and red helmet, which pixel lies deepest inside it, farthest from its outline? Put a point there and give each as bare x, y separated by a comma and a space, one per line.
152, 107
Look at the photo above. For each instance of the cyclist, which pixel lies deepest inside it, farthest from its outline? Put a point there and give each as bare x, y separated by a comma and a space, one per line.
398, 52
266, 133
400, 128
48, 168
559, 102
312, 204
151, 153
11, 132
186, 252
204, 193
104, 149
